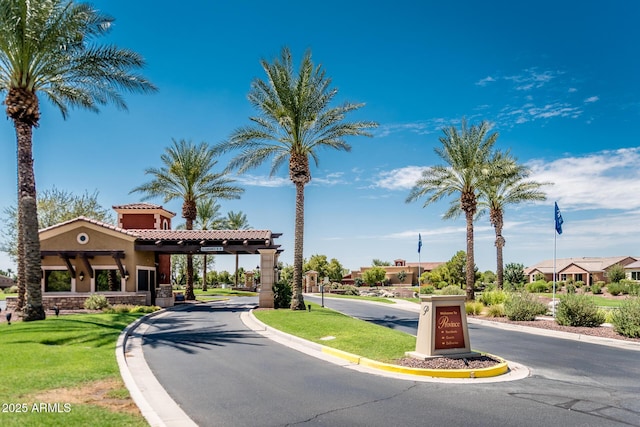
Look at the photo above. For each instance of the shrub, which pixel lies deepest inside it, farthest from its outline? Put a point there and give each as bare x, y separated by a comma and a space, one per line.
586, 289
350, 290
452, 290
282, 295
615, 288
523, 307
633, 288
571, 288
474, 307
537, 286
442, 285
493, 297
144, 309
596, 288
96, 302
11, 290
496, 310
579, 284
427, 290
578, 310
626, 318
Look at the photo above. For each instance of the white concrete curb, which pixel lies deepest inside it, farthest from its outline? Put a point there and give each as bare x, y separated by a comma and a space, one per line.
157, 407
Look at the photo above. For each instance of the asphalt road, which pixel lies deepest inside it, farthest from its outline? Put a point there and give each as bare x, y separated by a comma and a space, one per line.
223, 374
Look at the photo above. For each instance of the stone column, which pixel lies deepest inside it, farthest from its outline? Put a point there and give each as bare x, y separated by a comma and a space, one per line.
312, 281
248, 279
267, 275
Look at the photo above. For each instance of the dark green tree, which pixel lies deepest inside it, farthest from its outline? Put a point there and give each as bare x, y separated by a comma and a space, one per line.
507, 183
187, 174
47, 48
466, 153
294, 124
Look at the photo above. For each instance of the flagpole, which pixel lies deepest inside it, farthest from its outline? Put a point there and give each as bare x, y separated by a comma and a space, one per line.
553, 303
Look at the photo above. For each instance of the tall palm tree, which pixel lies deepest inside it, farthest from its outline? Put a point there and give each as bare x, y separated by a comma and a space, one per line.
237, 221
507, 184
46, 48
466, 154
187, 175
208, 218
295, 121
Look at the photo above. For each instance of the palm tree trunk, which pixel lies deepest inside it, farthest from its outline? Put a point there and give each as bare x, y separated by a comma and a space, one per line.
470, 273
297, 299
236, 269
22, 281
204, 274
188, 291
28, 216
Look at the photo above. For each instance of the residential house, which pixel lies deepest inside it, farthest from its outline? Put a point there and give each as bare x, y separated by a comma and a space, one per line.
586, 269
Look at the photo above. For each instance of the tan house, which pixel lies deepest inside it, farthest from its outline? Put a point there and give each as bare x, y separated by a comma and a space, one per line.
413, 270
587, 269
633, 271
129, 262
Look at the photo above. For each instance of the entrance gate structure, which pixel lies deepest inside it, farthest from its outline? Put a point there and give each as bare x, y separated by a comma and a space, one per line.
128, 262
218, 242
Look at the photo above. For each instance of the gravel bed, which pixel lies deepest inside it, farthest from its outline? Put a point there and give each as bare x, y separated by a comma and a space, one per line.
448, 363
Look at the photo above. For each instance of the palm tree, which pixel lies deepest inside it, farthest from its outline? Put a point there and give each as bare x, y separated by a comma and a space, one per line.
187, 175
295, 121
46, 48
466, 154
208, 218
237, 221
507, 184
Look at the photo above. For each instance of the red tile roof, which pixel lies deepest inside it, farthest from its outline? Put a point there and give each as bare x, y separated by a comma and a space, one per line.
142, 206
92, 221
198, 235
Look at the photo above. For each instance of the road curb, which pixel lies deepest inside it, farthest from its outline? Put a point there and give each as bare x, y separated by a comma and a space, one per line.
155, 404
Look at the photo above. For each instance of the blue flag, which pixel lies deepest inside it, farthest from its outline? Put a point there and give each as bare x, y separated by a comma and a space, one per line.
559, 220
419, 242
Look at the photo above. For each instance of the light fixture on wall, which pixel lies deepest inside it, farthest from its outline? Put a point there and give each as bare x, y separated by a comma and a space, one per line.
81, 276
126, 277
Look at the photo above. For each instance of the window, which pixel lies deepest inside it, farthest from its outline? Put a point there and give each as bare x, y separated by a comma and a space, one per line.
635, 275
563, 277
578, 277
146, 278
108, 280
57, 281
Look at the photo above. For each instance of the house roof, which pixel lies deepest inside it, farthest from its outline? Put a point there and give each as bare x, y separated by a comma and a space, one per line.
633, 266
178, 241
590, 264
142, 206
197, 235
90, 221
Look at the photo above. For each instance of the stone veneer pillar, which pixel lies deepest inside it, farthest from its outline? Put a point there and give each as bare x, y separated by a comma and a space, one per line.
267, 277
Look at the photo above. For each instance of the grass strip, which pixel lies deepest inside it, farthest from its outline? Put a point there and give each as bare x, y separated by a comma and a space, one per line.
351, 335
375, 299
61, 353
224, 292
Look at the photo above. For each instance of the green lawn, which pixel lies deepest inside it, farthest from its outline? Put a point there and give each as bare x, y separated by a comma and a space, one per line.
215, 292
71, 351
376, 299
351, 335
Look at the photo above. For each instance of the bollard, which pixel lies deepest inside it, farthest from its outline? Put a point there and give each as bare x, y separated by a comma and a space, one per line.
309, 307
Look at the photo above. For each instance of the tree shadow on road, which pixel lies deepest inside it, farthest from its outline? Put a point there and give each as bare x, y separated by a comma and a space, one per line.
188, 334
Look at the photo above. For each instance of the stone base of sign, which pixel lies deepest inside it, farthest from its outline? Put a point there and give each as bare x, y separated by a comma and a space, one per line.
442, 328
421, 356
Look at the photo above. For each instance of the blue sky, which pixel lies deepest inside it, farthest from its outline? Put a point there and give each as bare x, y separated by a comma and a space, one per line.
558, 81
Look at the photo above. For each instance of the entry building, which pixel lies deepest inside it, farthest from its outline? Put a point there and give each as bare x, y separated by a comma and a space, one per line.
128, 262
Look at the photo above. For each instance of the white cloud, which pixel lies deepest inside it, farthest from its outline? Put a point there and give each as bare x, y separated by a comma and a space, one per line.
400, 179
603, 180
591, 99
263, 181
485, 81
